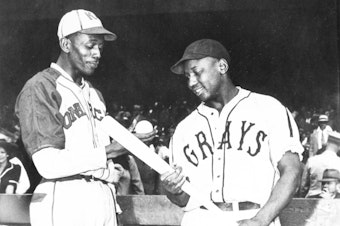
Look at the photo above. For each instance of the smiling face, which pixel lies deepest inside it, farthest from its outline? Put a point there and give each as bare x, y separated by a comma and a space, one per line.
85, 52
204, 78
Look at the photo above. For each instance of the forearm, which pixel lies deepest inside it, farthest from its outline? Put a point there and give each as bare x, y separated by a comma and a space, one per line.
114, 150
55, 163
304, 185
281, 195
180, 199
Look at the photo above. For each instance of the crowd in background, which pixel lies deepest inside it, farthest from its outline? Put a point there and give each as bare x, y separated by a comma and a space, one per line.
139, 178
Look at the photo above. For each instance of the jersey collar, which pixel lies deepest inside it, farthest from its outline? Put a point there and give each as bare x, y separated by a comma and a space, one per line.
65, 74
203, 108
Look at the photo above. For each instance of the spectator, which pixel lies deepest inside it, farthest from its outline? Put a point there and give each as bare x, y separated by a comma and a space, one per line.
13, 176
330, 185
322, 132
130, 182
313, 138
315, 166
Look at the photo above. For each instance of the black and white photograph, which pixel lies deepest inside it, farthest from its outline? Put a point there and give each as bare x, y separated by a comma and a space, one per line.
170, 113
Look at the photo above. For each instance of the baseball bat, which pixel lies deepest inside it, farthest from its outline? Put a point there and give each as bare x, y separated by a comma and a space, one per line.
119, 133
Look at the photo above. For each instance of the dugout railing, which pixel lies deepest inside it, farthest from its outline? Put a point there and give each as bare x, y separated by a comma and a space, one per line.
158, 210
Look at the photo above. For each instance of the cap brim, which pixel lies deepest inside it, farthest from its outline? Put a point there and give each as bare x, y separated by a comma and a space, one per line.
108, 35
328, 180
178, 67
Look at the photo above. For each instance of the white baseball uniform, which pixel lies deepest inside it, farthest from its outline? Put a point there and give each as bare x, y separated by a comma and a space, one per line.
232, 156
59, 120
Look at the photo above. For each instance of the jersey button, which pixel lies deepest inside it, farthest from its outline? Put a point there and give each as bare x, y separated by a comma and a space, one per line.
218, 176
217, 191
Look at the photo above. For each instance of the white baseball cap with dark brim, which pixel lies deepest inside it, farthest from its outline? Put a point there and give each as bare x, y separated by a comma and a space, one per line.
334, 137
323, 118
85, 22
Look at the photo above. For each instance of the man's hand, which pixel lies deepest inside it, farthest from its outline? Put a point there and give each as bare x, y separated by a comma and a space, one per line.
173, 180
115, 149
118, 172
251, 222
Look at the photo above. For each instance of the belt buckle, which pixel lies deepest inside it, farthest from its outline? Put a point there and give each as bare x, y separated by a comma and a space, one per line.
237, 206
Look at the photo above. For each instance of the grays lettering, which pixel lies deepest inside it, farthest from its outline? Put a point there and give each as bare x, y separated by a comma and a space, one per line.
202, 142
258, 141
226, 143
191, 157
225, 135
244, 131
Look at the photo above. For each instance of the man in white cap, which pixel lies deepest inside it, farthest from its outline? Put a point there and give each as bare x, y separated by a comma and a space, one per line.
59, 112
316, 165
322, 132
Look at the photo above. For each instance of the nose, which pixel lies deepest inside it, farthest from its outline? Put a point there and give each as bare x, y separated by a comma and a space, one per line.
192, 80
96, 52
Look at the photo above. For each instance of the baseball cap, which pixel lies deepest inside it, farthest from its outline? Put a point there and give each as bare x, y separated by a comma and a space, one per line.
83, 21
334, 137
330, 175
200, 49
323, 118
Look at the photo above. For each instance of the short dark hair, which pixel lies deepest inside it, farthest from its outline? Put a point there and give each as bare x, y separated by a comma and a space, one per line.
9, 148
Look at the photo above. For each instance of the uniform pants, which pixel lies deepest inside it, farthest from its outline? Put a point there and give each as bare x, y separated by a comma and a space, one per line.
203, 217
73, 203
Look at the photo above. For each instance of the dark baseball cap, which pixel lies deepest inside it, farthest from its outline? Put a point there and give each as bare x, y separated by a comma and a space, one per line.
200, 49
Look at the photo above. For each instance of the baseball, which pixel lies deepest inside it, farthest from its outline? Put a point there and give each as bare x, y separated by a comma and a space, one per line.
144, 126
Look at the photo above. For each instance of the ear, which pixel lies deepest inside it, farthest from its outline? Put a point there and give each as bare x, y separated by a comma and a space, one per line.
338, 186
65, 44
223, 66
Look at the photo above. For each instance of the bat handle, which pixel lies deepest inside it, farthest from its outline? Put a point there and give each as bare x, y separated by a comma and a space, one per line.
207, 203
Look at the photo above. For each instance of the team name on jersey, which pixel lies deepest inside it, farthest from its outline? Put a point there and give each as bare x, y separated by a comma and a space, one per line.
75, 112
225, 143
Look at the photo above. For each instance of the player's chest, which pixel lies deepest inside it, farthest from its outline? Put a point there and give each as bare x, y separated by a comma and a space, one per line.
78, 106
244, 136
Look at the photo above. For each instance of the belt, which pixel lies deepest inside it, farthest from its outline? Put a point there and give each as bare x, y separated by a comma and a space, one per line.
229, 206
88, 178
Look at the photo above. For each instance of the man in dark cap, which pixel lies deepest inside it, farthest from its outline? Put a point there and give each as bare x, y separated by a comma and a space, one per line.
240, 148
330, 188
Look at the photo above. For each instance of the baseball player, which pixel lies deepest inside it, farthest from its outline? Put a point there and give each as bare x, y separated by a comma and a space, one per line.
240, 148
59, 113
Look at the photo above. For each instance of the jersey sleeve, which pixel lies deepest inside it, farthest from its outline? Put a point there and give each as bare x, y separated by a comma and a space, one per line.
40, 121
284, 134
